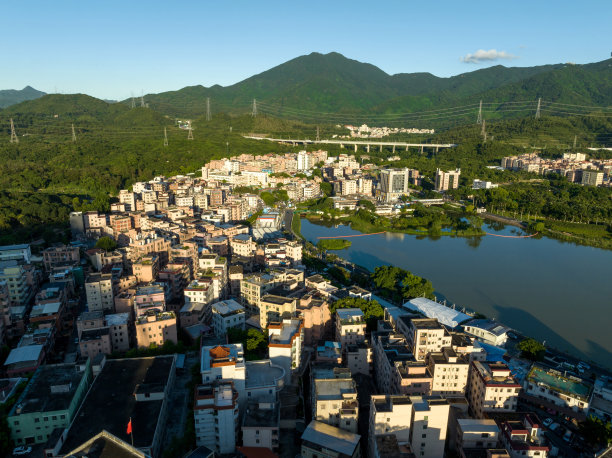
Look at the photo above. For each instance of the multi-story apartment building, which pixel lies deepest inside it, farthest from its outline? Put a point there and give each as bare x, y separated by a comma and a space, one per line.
286, 341
427, 335
149, 297
62, 255
491, 388
19, 253
428, 425
146, 268
476, 434
261, 425
524, 438
15, 276
242, 245
447, 180
394, 183
273, 308
99, 292
314, 310
335, 402
119, 328
94, 342
449, 372
389, 414
216, 415
592, 177
350, 327
359, 358
227, 314
156, 328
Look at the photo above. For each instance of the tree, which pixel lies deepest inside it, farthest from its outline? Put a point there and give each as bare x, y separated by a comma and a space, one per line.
372, 310
367, 204
596, 432
326, 188
415, 286
531, 349
106, 243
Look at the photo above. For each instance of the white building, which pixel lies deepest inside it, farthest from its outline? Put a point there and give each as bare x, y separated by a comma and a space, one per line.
99, 291
261, 425
285, 345
429, 424
350, 326
227, 314
303, 161
216, 414
487, 331
481, 184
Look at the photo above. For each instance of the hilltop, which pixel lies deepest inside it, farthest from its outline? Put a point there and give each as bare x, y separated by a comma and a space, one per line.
12, 96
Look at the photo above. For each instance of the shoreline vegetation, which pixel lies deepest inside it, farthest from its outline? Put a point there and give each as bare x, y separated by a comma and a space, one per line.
334, 244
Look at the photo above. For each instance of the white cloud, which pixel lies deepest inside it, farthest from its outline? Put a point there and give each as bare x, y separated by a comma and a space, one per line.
486, 56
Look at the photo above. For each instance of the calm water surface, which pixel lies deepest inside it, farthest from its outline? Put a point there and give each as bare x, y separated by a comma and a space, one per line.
548, 289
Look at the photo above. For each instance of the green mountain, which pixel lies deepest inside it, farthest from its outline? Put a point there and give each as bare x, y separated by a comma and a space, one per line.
10, 97
331, 87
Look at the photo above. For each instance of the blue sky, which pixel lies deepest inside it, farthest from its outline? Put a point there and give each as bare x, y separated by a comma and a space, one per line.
110, 49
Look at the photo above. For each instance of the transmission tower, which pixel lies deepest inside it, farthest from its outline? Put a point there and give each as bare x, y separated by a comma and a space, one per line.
254, 112
537, 115
575, 138
165, 137
479, 120
14, 138
190, 134
208, 108
318, 138
73, 135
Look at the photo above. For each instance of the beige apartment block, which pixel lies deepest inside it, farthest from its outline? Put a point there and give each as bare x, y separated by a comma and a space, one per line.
447, 180
156, 328
99, 291
315, 312
429, 424
449, 372
274, 308
427, 335
390, 414
492, 388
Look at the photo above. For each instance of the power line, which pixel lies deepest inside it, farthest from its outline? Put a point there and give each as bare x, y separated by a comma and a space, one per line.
254, 112
208, 108
479, 119
73, 134
165, 137
537, 114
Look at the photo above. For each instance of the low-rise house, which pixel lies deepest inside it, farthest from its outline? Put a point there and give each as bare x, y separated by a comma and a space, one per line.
524, 438
50, 401
488, 331
476, 434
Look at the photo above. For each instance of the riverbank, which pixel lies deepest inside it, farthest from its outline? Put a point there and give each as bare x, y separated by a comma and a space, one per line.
531, 284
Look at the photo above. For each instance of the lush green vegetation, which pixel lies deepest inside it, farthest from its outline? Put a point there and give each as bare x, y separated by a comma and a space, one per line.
333, 244
531, 349
106, 243
254, 342
596, 432
296, 225
372, 310
11, 97
400, 285
271, 198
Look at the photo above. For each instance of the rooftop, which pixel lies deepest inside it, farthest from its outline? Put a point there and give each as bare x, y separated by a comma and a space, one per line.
221, 354
495, 374
557, 382
263, 373
110, 402
51, 389
431, 309
489, 325
227, 307
94, 334
334, 388
262, 414
323, 435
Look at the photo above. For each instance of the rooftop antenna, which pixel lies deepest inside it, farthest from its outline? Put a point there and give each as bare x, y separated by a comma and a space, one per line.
479, 120
165, 137
537, 115
318, 139
254, 112
14, 138
190, 134
73, 135
208, 108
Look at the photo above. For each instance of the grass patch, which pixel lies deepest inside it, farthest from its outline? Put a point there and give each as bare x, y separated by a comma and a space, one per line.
333, 244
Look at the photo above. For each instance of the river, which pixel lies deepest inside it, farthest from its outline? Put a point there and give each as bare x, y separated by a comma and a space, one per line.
551, 290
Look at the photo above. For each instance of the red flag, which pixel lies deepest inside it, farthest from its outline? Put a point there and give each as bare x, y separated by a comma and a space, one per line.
129, 427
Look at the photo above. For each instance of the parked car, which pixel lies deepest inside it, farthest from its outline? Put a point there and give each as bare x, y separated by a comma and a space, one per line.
547, 422
512, 335
21, 450
567, 436
554, 426
583, 365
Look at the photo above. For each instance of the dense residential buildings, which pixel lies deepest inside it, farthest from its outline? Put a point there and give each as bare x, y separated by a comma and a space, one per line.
216, 414
492, 388
554, 388
227, 314
286, 341
322, 439
350, 326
